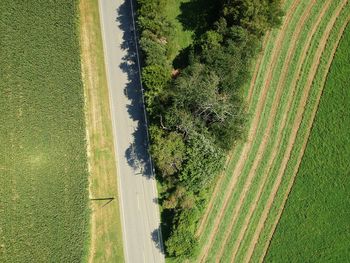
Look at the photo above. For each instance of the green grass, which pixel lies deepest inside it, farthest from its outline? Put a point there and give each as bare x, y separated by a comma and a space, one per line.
315, 222
296, 95
180, 38
43, 170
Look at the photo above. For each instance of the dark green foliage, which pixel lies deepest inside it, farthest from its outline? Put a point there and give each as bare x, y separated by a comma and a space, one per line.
204, 160
43, 165
255, 16
182, 241
199, 113
155, 51
155, 79
168, 151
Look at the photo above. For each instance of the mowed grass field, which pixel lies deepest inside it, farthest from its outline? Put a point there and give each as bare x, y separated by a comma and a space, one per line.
283, 97
314, 226
44, 212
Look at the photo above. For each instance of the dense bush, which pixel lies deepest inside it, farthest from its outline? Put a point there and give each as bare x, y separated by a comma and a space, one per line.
198, 113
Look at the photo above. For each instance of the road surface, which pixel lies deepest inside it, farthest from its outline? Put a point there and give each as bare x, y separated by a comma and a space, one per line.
137, 186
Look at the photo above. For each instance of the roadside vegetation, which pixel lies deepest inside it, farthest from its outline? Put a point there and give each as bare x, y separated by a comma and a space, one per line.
195, 98
106, 244
315, 223
44, 211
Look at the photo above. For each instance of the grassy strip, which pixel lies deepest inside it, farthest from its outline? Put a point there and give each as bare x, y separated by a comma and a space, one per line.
307, 65
232, 165
248, 177
106, 232
309, 167
43, 164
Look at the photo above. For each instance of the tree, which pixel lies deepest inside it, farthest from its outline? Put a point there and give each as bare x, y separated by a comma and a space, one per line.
168, 150
204, 160
197, 90
155, 78
182, 240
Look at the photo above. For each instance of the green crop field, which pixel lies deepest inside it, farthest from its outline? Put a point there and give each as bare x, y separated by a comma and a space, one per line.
44, 212
315, 224
286, 88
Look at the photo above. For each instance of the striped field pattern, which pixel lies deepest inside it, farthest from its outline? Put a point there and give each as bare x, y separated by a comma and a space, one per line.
282, 99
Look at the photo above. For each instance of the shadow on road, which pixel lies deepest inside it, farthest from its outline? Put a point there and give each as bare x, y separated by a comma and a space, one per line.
137, 153
156, 237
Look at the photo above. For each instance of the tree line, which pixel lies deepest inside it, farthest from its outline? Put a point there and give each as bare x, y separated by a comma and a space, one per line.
197, 111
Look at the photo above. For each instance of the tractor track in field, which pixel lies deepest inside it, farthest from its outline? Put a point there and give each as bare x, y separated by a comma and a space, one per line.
255, 122
264, 142
306, 137
296, 125
234, 152
280, 130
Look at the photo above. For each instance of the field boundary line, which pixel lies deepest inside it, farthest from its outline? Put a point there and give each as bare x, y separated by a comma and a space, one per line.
306, 139
266, 137
302, 104
253, 128
276, 145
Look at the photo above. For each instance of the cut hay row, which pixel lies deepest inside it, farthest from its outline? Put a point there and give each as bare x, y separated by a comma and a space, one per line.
299, 152
254, 124
251, 235
263, 143
225, 222
269, 119
270, 154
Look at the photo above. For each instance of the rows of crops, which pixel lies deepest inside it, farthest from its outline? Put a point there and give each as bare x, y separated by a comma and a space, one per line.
249, 197
319, 201
43, 170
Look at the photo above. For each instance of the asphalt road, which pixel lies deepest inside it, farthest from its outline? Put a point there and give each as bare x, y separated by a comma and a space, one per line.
137, 186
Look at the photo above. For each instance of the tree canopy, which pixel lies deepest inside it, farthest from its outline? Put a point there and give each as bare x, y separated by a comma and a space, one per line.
198, 113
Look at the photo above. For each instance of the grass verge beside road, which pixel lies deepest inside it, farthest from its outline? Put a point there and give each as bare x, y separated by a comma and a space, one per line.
106, 233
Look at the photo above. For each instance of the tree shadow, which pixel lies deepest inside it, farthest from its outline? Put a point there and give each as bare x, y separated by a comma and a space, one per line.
137, 153
167, 219
183, 58
198, 15
156, 236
